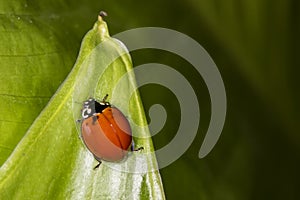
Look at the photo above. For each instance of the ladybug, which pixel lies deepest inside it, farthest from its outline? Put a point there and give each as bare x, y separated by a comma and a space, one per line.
105, 131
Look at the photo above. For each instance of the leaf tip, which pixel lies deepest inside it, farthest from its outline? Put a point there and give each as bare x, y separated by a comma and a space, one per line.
101, 25
101, 15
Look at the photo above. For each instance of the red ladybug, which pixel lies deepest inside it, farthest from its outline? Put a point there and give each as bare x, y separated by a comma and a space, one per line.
105, 131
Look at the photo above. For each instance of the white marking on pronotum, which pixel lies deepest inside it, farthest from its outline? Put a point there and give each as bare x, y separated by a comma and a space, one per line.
86, 110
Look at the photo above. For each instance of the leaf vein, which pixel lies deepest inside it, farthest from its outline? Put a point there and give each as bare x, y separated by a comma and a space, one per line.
29, 55
25, 97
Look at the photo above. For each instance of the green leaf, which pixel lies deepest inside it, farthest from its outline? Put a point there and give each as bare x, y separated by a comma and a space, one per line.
51, 161
22, 98
37, 51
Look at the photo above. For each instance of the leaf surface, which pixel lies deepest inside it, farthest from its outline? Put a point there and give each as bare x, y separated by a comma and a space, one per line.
51, 162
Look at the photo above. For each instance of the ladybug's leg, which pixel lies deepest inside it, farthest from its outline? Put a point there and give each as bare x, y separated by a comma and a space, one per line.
97, 166
138, 149
95, 117
99, 160
79, 120
133, 149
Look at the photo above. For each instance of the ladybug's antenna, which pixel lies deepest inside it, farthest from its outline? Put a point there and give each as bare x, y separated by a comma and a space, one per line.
104, 98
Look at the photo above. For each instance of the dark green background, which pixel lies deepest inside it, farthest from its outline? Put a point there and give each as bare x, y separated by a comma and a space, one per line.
255, 45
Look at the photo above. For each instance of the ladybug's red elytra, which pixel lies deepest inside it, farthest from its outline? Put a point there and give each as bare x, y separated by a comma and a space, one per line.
105, 131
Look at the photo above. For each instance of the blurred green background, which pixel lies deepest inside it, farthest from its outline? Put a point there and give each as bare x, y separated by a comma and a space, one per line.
255, 45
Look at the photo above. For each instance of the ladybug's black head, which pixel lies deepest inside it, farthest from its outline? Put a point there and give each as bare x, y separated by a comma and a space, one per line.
92, 107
